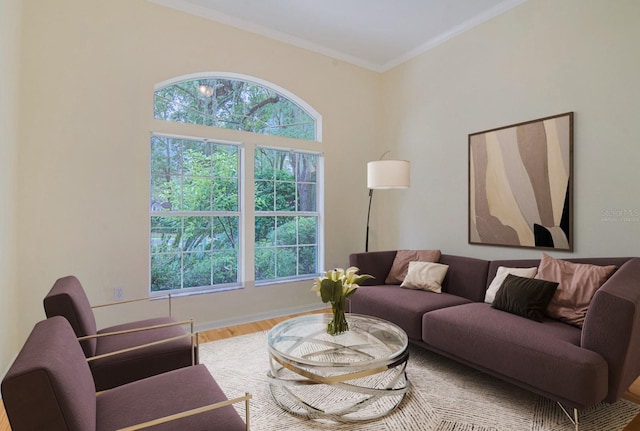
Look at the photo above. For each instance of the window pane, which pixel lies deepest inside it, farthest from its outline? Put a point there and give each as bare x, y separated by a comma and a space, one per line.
233, 104
265, 231
165, 234
197, 269
197, 233
307, 167
196, 158
264, 195
165, 271
225, 194
265, 263
225, 233
287, 231
307, 230
196, 194
225, 267
264, 167
284, 163
285, 196
286, 261
308, 260
306, 197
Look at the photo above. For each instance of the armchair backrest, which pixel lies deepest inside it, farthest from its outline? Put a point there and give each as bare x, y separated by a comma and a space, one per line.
68, 299
50, 386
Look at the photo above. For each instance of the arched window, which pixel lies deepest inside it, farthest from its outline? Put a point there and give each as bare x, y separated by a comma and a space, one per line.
197, 201
232, 103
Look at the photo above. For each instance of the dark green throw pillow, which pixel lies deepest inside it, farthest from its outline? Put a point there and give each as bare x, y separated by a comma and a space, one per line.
526, 297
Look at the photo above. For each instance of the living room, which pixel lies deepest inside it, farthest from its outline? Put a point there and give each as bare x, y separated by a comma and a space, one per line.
77, 88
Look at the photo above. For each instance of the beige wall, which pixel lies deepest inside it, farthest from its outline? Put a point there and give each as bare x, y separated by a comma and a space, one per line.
541, 58
88, 68
9, 72
89, 71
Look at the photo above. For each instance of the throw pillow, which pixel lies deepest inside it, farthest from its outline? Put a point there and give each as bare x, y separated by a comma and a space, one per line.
400, 264
425, 276
526, 297
501, 274
578, 283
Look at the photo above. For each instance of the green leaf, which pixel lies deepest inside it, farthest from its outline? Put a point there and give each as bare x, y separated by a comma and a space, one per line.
362, 278
337, 291
327, 288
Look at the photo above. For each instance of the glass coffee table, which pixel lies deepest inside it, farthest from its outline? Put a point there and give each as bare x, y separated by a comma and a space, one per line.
358, 375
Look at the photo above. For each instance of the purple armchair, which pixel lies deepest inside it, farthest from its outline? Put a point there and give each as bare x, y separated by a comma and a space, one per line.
123, 353
50, 387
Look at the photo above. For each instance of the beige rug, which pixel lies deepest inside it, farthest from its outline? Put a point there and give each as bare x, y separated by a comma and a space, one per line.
445, 396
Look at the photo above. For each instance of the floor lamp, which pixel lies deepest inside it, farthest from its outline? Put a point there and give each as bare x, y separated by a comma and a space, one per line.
385, 174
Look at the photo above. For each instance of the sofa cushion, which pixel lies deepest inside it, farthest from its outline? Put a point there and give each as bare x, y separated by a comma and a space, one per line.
526, 297
548, 359
467, 276
501, 274
164, 395
578, 284
404, 307
400, 265
136, 364
425, 276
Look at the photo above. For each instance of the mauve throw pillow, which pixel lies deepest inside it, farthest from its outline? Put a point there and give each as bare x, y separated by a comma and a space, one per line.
400, 264
526, 297
578, 283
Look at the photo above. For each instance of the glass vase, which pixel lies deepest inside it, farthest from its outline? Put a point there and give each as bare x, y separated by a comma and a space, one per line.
338, 324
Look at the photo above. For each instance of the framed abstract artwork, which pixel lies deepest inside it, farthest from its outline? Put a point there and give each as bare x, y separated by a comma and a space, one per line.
520, 184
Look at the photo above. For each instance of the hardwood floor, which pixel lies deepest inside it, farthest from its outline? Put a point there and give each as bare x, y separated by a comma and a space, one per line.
218, 334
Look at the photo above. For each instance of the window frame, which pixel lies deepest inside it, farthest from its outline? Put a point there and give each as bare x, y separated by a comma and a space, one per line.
247, 143
182, 214
318, 214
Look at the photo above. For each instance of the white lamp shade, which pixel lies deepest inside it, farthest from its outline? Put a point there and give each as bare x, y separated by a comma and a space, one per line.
388, 174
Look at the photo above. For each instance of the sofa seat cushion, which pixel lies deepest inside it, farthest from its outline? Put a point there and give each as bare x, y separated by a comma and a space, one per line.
164, 395
404, 307
126, 367
544, 355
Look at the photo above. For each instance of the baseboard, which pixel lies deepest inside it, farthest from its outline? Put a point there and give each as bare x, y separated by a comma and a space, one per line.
216, 324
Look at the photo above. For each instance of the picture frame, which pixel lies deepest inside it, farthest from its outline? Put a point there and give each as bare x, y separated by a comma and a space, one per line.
521, 185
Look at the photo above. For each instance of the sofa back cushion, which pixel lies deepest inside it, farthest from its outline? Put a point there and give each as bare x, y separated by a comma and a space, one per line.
466, 277
49, 386
68, 299
375, 263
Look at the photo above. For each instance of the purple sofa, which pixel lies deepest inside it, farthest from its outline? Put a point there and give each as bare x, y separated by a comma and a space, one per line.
576, 367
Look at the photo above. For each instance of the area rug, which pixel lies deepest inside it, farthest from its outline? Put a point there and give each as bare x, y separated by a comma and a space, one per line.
445, 396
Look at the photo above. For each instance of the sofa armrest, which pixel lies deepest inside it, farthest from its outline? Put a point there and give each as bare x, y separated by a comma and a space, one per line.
612, 327
375, 263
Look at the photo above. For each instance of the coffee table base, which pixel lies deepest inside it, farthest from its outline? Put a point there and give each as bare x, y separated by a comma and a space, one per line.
358, 396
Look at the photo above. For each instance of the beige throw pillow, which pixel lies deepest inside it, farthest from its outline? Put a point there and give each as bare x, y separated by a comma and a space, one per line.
501, 274
578, 283
425, 276
400, 264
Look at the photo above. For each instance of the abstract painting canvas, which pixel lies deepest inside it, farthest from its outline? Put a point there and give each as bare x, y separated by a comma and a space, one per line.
520, 184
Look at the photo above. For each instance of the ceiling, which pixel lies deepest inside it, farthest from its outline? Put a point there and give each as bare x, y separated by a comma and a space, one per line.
376, 34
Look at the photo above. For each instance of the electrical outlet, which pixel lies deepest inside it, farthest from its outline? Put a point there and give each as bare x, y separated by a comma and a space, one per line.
118, 294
